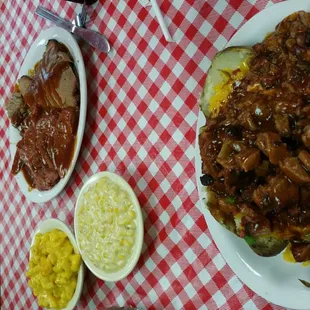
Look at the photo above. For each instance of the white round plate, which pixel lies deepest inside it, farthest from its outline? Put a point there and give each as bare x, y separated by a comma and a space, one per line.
272, 278
33, 56
130, 265
52, 224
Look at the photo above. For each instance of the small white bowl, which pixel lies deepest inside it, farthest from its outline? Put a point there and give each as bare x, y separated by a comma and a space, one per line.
130, 265
50, 225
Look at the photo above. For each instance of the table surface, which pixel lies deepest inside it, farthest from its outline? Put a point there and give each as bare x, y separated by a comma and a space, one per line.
141, 124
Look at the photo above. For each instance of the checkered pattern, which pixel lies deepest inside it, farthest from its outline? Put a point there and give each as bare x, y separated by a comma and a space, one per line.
141, 123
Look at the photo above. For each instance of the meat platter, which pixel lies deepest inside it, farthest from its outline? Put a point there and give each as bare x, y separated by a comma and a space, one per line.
53, 152
271, 277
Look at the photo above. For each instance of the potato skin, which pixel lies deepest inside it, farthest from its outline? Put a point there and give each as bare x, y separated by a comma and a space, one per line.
228, 58
268, 246
265, 246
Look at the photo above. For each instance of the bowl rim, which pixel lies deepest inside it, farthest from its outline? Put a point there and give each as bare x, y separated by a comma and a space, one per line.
130, 265
49, 225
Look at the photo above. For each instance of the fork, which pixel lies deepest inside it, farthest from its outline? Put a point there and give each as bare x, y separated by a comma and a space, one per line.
80, 18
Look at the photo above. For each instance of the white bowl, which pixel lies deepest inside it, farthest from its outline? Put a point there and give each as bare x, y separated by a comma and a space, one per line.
122, 273
52, 224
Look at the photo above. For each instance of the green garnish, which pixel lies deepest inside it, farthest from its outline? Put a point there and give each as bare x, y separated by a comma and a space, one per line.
249, 240
230, 200
307, 237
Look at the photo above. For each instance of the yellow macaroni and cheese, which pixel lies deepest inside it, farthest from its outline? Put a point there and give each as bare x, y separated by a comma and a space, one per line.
53, 269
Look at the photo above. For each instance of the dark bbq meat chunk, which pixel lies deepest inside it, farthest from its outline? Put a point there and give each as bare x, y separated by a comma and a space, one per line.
278, 193
271, 145
209, 150
293, 169
24, 85
301, 251
248, 159
304, 157
16, 109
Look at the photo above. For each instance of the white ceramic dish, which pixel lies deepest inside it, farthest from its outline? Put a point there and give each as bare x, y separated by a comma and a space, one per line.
33, 56
121, 274
272, 278
52, 224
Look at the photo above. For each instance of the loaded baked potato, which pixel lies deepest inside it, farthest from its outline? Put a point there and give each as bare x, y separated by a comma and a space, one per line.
255, 146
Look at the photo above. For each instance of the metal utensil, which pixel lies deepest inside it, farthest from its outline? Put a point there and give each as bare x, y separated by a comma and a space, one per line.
94, 38
80, 18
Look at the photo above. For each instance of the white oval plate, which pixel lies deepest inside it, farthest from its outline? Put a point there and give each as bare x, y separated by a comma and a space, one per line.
33, 56
52, 224
124, 272
272, 278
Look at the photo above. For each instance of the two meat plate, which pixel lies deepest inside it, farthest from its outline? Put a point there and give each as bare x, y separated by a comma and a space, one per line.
33, 56
272, 278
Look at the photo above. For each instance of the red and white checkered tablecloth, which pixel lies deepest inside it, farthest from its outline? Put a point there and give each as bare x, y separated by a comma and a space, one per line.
141, 123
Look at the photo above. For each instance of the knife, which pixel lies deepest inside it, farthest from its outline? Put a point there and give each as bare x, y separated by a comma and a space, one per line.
94, 38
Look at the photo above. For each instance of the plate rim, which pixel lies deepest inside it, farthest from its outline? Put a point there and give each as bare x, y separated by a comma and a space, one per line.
65, 37
247, 276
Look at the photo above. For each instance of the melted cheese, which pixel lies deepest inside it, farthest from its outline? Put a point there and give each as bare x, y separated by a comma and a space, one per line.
225, 88
288, 257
